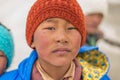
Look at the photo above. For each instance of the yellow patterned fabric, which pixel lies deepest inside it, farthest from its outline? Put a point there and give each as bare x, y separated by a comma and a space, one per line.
94, 64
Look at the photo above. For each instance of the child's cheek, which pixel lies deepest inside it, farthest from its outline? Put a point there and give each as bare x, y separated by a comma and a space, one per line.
43, 40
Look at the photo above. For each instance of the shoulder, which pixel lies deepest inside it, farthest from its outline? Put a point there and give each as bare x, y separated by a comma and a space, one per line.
12, 75
24, 69
87, 48
94, 62
105, 77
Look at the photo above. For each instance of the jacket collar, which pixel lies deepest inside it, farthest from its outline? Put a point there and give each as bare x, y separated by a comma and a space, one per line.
25, 67
94, 64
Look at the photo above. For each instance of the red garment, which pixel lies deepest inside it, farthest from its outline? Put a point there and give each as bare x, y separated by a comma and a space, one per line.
44, 9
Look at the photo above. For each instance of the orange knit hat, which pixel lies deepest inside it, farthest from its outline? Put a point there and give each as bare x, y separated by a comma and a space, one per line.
44, 9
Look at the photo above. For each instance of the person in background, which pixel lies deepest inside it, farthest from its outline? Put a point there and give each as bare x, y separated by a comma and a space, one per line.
95, 11
55, 30
6, 48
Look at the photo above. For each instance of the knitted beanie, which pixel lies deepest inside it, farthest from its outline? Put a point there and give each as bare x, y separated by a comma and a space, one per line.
6, 44
94, 6
41, 10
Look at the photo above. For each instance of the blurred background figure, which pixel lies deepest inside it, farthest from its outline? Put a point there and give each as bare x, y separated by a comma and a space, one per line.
106, 34
6, 48
110, 44
95, 11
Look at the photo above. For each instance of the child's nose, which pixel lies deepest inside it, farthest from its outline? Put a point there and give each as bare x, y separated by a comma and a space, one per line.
62, 37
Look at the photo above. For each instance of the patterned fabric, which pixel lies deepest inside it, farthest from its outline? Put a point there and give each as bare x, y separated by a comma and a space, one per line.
94, 65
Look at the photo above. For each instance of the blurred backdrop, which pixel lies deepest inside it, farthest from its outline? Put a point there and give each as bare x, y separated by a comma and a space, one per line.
13, 14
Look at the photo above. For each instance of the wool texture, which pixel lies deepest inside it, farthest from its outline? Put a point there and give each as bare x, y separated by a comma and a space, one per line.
41, 10
6, 44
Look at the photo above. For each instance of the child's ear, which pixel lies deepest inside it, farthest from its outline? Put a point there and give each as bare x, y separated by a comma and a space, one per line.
32, 45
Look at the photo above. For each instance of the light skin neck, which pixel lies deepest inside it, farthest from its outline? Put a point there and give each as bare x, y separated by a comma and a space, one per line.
55, 72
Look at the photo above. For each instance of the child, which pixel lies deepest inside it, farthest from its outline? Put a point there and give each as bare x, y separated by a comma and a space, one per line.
6, 48
55, 30
94, 15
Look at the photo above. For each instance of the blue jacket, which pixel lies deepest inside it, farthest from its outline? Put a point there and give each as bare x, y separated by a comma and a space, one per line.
24, 71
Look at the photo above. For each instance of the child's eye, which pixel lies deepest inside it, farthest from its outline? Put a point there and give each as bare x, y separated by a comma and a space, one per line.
72, 28
50, 28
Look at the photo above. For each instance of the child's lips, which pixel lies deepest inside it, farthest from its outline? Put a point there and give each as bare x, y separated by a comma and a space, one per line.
61, 51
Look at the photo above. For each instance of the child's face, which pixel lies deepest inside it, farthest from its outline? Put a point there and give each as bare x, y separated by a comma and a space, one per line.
3, 62
92, 22
56, 41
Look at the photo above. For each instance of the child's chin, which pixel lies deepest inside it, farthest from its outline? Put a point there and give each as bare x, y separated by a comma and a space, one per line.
61, 64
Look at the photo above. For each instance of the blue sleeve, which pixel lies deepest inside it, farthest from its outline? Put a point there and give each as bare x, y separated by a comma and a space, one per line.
12, 75
105, 77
